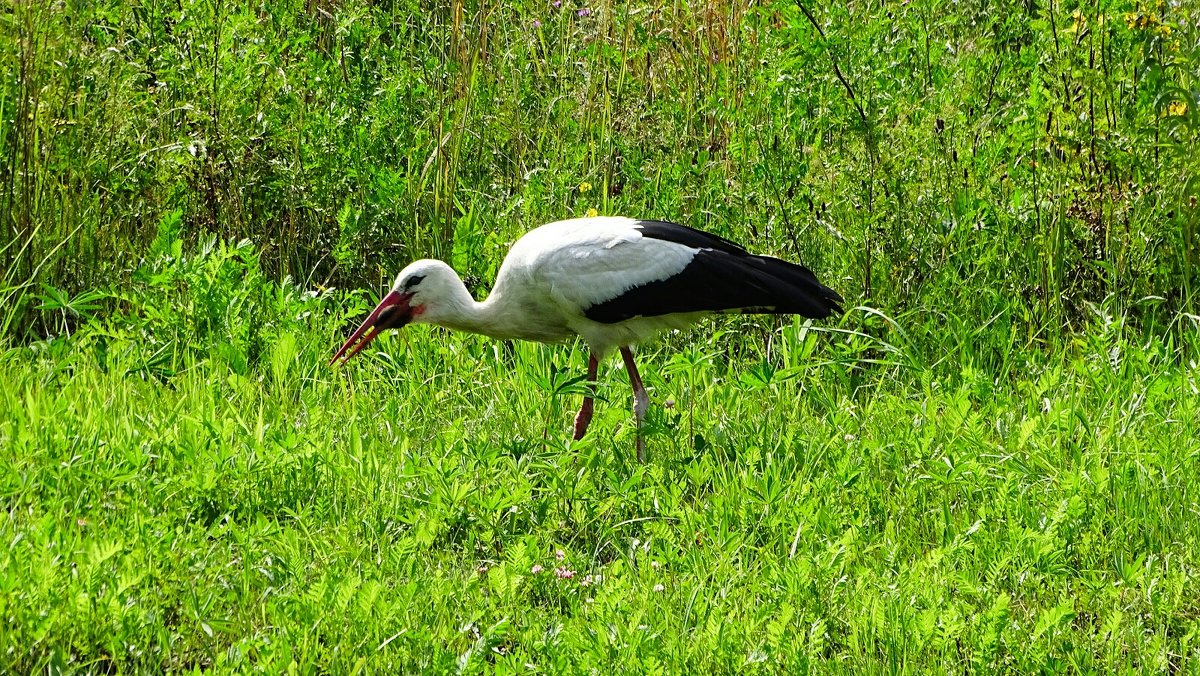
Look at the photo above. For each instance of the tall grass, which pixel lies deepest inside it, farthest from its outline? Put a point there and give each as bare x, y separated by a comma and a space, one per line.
1020, 158
986, 465
187, 486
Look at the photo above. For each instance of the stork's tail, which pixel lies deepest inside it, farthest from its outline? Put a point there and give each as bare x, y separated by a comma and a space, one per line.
780, 287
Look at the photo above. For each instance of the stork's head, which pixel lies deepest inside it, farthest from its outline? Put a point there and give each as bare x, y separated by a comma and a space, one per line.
413, 298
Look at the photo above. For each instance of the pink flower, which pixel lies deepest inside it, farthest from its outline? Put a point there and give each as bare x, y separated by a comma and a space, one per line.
537, 568
564, 573
584, 12
560, 555
537, 24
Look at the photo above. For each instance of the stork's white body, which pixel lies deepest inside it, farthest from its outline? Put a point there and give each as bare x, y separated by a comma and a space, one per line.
612, 281
554, 273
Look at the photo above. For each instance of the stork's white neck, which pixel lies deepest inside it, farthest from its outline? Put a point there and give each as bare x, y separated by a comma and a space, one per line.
454, 308
510, 312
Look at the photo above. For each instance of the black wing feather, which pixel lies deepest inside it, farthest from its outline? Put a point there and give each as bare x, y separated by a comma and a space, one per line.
682, 234
722, 276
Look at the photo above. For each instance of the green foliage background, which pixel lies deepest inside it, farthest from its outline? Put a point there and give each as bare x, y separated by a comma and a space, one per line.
988, 464
1024, 158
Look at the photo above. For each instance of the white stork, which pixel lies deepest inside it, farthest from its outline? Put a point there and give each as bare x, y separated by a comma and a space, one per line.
612, 281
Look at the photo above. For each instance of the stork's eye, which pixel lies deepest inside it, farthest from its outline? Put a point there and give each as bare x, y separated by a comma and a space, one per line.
412, 282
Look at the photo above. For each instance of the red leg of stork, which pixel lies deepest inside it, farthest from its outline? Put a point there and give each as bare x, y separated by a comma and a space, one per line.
641, 400
584, 417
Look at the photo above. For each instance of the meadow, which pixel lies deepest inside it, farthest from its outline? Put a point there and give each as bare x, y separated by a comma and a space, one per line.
987, 464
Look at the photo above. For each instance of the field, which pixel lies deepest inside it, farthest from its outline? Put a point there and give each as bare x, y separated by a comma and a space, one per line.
987, 464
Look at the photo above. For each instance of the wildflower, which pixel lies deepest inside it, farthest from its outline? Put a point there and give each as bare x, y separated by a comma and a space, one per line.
556, 4
669, 403
584, 12
1080, 22
1141, 21
585, 187
564, 573
537, 24
655, 565
592, 213
560, 555
537, 568
1177, 108
658, 588
586, 581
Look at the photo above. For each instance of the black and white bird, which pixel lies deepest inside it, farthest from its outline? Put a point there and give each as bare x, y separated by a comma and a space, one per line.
611, 281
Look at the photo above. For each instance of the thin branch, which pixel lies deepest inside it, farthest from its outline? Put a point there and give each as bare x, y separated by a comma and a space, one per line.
833, 59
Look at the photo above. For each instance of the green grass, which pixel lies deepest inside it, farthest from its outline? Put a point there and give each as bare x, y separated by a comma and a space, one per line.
391, 515
988, 464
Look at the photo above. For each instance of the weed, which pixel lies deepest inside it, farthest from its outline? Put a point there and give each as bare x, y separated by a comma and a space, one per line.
985, 466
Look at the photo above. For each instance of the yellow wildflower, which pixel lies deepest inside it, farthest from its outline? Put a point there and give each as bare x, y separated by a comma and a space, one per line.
585, 187
1139, 21
1080, 22
1177, 108
592, 213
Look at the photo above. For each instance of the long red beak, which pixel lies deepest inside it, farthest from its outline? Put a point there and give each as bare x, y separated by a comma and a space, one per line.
391, 313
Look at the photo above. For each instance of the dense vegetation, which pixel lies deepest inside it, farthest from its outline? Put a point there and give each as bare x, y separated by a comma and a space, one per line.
989, 463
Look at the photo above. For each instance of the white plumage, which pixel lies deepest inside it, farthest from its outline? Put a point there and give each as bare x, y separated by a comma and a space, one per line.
578, 263
612, 281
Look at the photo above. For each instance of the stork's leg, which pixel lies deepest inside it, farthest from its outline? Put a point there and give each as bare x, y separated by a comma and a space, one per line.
641, 400
584, 417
